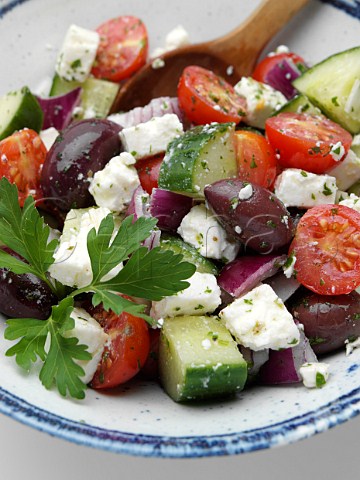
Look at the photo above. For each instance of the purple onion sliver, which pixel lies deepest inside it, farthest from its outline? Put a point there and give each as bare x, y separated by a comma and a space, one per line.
169, 208
245, 273
283, 366
281, 77
138, 206
58, 110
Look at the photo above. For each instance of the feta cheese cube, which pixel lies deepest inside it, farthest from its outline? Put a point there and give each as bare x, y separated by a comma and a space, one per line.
48, 136
200, 229
259, 320
347, 172
150, 138
262, 101
202, 296
113, 186
77, 54
88, 331
72, 264
353, 201
314, 374
297, 188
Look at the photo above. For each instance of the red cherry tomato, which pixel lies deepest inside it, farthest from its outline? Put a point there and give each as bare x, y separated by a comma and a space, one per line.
255, 158
21, 158
308, 142
327, 250
148, 170
128, 349
122, 50
205, 97
267, 64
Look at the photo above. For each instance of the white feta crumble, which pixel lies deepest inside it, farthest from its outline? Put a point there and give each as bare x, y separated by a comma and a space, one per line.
200, 229
77, 54
259, 320
246, 192
282, 49
176, 38
314, 374
206, 344
113, 186
88, 331
347, 172
350, 346
152, 137
298, 188
229, 70
158, 63
262, 101
288, 267
72, 266
48, 136
353, 201
337, 151
202, 296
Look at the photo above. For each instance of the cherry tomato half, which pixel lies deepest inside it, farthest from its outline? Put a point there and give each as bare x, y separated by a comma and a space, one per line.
127, 352
122, 50
327, 249
21, 158
205, 97
305, 141
148, 170
255, 158
268, 63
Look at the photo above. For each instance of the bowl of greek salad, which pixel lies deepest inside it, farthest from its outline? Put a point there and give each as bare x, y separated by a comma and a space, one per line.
180, 279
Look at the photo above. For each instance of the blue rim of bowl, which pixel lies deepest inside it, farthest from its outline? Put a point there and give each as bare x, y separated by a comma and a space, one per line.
297, 428
281, 433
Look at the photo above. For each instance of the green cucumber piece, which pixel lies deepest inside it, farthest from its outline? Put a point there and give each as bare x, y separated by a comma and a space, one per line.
299, 104
190, 254
19, 109
329, 84
199, 359
201, 156
97, 95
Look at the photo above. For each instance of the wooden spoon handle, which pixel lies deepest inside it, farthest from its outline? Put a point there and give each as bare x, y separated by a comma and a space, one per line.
245, 43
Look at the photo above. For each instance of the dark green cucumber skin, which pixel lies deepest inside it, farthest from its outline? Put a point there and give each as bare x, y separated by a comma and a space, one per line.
342, 118
299, 104
29, 116
176, 172
190, 254
188, 372
60, 87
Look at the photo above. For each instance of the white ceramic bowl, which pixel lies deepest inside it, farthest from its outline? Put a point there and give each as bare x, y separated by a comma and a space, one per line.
139, 418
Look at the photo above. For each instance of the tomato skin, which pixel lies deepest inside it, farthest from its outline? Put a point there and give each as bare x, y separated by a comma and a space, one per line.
148, 171
205, 97
127, 352
268, 63
304, 141
21, 159
255, 158
327, 250
122, 50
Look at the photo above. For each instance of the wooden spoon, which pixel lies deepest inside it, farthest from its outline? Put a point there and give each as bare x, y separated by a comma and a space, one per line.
239, 49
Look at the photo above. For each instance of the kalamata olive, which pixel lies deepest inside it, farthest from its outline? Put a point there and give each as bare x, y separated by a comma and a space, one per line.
25, 295
251, 214
328, 320
79, 151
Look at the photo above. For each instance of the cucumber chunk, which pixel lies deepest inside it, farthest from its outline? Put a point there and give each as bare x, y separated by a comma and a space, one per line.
334, 86
200, 157
18, 110
299, 104
97, 95
199, 359
190, 254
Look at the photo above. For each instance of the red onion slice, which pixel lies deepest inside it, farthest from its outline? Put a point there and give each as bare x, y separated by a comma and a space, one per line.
245, 273
58, 110
169, 208
283, 366
281, 77
158, 107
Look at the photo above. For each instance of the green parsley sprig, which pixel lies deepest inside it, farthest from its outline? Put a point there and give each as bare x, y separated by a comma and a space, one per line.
146, 274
